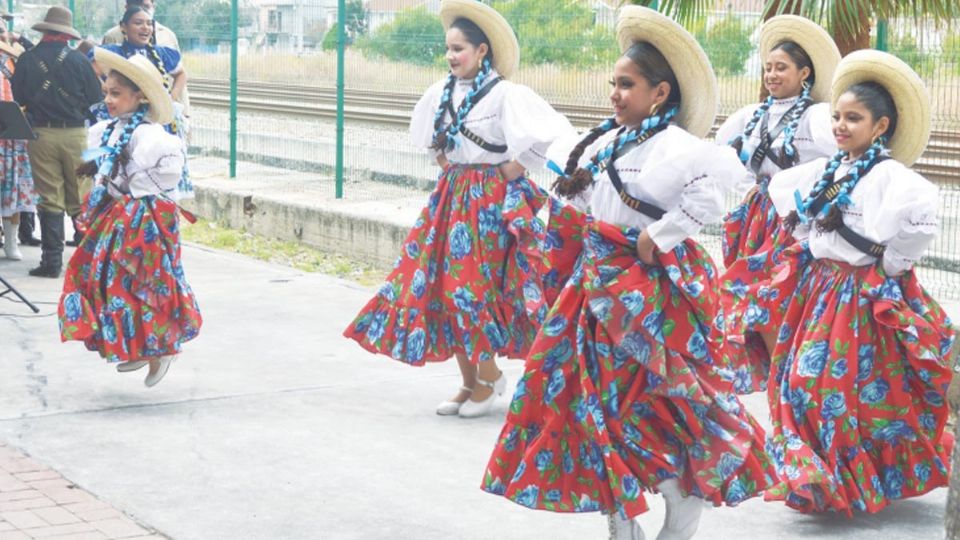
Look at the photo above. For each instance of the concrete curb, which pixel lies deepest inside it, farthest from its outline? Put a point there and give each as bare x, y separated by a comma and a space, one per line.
374, 241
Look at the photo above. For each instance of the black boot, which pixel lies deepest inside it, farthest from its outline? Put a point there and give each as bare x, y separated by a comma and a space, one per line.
51, 238
77, 235
27, 226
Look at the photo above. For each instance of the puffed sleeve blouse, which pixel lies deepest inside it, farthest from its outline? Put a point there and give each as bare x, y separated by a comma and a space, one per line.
673, 170
891, 205
156, 159
813, 139
511, 114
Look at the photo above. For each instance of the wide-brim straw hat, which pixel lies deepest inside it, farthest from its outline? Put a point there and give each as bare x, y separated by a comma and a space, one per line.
905, 87
143, 74
14, 50
506, 50
813, 39
58, 19
699, 95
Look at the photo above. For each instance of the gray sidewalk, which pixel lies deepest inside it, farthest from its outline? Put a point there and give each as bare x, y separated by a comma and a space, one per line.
273, 426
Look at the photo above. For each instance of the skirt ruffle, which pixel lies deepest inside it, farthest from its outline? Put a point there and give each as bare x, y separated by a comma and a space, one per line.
469, 278
858, 383
124, 293
621, 392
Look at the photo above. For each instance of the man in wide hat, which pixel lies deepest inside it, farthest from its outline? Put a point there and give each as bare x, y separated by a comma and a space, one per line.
56, 85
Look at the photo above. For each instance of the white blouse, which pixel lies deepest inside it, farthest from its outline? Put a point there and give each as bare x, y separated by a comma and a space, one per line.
813, 139
891, 205
156, 159
673, 170
510, 114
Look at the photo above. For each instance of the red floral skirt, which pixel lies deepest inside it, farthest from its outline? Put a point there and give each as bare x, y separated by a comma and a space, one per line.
124, 293
745, 354
470, 277
749, 227
857, 385
621, 392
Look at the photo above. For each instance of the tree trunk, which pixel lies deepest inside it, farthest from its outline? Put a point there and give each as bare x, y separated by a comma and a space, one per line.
847, 42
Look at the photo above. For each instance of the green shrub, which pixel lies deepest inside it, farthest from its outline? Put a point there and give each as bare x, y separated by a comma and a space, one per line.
905, 47
415, 36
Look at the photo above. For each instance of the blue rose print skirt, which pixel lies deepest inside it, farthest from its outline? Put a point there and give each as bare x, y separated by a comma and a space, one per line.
857, 385
621, 391
470, 278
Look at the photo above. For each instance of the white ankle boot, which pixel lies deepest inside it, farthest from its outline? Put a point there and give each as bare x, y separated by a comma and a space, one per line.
683, 513
10, 249
624, 529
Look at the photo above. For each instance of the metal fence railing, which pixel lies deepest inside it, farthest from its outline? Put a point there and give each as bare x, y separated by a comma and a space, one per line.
287, 73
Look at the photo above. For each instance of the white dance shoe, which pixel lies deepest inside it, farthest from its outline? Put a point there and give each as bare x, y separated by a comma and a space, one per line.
158, 368
450, 408
624, 529
683, 513
133, 365
474, 409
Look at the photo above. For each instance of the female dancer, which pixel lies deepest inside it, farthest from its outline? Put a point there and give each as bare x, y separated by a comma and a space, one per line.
125, 294
468, 282
16, 178
860, 364
138, 27
792, 126
621, 394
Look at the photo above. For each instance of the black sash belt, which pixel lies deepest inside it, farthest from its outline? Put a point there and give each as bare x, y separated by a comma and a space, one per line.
471, 136
645, 208
860, 242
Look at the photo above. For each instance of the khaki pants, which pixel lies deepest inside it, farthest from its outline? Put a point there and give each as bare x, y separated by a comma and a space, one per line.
55, 156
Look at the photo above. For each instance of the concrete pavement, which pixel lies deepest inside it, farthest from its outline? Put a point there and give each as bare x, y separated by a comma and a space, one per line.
273, 426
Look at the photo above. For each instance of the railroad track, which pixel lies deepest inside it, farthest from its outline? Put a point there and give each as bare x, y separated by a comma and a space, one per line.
940, 162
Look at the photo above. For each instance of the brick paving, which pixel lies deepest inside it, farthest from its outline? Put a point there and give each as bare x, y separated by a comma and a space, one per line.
37, 502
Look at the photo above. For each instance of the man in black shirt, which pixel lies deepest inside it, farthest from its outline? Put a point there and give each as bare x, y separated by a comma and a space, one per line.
57, 86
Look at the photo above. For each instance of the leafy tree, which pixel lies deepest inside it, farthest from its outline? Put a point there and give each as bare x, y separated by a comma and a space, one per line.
558, 32
203, 20
727, 44
415, 36
355, 26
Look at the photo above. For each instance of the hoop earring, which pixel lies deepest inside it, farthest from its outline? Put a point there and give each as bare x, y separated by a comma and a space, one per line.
653, 109
880, 139
805, 84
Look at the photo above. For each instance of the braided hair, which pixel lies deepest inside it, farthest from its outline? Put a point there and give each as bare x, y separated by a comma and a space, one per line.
107, 160
573, 180
789, 157
447, 138
880, 104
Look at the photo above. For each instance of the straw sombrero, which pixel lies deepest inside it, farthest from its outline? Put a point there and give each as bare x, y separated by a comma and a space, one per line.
506, 50
905, 87
58, 19
698, 84
143, 74
814, 40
